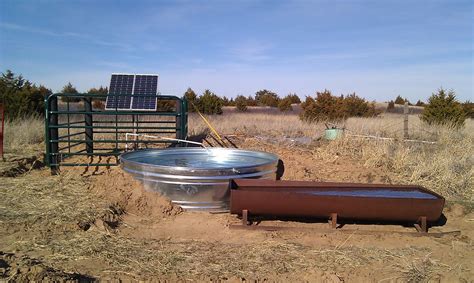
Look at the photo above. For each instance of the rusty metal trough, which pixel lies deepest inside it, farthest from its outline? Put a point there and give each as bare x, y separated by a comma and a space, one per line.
373, 202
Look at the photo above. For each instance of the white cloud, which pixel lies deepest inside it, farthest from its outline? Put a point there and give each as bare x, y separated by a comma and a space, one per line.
251, 51
78, 36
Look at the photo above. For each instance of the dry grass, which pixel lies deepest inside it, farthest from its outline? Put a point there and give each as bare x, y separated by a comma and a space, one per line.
289, 125
39, 213
54, 200
48, 208
446, 167
25, 135
256, 124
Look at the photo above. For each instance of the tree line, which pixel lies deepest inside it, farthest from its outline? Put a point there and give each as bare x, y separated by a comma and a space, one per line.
21, 97
210, 103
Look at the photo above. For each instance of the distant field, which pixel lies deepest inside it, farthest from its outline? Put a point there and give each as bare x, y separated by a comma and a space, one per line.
381, 106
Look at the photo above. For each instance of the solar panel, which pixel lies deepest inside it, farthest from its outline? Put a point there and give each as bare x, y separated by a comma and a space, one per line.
120, 92
144, 92
132, 92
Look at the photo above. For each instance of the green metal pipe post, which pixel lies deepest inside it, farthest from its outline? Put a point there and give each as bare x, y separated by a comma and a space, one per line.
89, 122
53, 135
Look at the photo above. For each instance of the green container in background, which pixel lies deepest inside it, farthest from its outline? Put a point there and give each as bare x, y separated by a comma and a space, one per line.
332, 134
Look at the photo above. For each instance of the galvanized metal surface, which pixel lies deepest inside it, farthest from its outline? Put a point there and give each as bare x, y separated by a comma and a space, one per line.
197, 178
311, 199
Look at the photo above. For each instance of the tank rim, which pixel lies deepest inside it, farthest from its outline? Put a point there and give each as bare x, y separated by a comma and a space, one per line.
270, 159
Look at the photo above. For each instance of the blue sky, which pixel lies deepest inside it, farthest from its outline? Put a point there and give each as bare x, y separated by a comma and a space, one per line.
378, 49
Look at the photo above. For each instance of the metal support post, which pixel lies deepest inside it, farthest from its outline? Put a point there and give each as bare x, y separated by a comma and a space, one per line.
179, 120
333, 220
89, 125
405, 121
53, 157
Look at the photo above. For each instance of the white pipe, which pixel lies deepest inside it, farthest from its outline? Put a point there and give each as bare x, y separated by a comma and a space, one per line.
160, 138
383, 138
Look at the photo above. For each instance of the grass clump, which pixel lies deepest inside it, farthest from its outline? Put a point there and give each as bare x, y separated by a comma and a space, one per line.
445, 167
24, 135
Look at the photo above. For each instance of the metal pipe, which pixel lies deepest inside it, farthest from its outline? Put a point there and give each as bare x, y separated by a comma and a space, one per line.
51, 142
160, 138
118, 112
89, 122
112, 127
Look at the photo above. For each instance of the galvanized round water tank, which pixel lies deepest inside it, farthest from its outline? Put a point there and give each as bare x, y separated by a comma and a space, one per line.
197, 178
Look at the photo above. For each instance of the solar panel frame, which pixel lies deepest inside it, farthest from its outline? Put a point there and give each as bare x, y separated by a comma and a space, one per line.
145, 91
120, 92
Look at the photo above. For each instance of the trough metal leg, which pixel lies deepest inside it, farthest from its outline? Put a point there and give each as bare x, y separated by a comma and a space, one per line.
245, 217
333, 220
422, 225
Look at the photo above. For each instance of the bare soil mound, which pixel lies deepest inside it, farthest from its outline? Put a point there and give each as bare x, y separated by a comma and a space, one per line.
23, 269
128, 194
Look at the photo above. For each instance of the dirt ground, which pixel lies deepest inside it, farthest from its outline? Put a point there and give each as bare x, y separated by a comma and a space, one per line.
99, 223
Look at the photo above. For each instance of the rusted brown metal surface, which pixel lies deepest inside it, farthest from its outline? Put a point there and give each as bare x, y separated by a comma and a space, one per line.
308, 199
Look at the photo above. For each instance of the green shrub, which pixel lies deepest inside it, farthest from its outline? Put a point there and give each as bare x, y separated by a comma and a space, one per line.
400, 100
210, 103
355, 106
241, 103
192, 99
231, 102
267, 98
420, 103
251, 101
101, 90
294, 99
391, 107
327, 107
444, 109
21, 98
69, 89
324, 107
468, 108
285, 104
227, 102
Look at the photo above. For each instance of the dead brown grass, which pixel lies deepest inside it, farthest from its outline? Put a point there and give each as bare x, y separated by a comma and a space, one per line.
39, 215
38, 198
48, 209
289, 125
446, 167
24, 136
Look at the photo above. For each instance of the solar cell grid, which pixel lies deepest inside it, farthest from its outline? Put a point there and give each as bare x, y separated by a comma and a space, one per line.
120, 91
144, 92
135, 92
